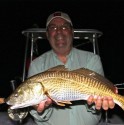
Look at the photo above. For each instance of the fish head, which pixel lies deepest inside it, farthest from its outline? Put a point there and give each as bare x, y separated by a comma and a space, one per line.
28, 94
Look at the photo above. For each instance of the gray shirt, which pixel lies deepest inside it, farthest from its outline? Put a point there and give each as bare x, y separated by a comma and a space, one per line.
79, 113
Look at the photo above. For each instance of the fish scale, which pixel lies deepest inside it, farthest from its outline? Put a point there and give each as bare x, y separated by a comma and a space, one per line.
63, 86
78, 80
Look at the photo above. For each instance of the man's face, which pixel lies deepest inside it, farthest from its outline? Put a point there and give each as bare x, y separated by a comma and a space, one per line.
60, 35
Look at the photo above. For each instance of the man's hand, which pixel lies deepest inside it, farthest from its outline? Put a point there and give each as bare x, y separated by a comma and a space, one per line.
102, 102
43, 105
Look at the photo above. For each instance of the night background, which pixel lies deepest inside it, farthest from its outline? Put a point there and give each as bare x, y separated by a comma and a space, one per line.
19, 15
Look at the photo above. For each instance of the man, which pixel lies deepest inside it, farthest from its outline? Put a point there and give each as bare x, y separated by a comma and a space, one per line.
59, 32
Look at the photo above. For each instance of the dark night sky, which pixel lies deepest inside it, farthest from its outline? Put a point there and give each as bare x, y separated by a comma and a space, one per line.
16, 16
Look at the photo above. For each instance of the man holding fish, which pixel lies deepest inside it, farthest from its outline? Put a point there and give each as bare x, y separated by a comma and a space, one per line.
59, 32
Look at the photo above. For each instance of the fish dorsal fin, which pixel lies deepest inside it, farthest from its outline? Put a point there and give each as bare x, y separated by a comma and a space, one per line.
83, 71
58, 68
94, 75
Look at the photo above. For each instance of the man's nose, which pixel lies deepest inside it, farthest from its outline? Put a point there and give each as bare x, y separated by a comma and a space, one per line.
59, 29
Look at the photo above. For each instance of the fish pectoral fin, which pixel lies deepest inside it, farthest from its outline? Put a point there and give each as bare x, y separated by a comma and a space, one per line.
65, 102
45, 91
62, 103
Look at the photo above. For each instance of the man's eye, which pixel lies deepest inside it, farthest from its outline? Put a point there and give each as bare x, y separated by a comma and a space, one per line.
61, 27
64, 27
52, 28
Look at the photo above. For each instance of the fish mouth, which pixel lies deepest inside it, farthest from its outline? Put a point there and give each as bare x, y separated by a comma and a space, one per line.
17, 106
24, 105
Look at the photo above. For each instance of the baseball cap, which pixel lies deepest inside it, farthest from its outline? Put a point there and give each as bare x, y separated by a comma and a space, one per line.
58, 14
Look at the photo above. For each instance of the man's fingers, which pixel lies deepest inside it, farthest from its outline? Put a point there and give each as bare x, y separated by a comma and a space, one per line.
108, 102
42, 105
111, 103
105, 105
101, 102
98, 103
90, 100
48, 102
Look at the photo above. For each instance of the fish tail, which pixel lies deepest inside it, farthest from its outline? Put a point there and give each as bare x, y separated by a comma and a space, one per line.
2, 100
119, 99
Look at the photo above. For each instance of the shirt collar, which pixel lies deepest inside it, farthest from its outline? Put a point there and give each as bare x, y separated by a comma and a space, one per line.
69, 56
